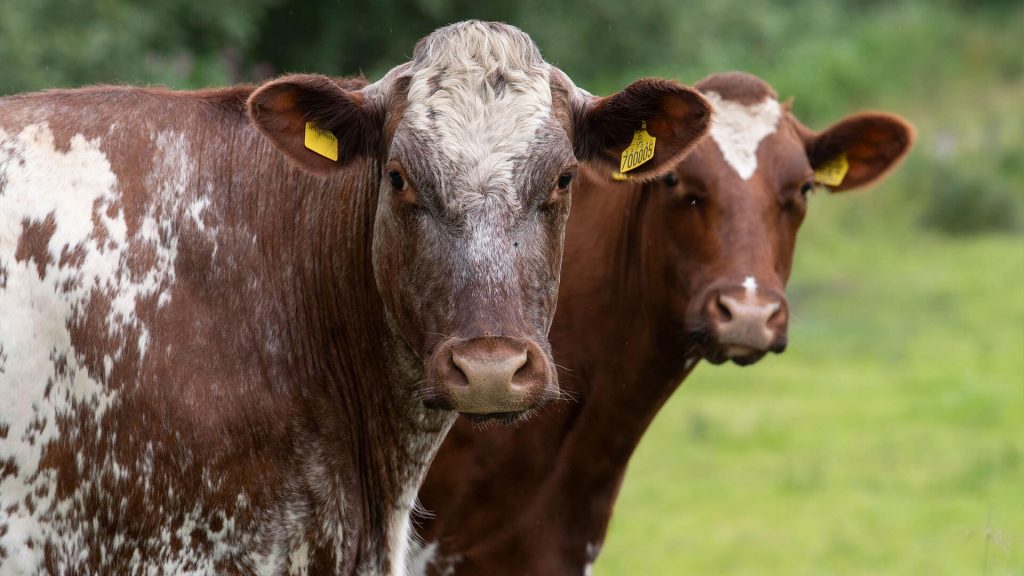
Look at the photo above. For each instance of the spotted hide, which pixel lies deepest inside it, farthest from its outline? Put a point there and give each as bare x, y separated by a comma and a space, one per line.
224, 353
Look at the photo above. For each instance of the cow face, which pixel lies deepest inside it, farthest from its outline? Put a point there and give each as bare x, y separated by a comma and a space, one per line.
475, 145
730, 211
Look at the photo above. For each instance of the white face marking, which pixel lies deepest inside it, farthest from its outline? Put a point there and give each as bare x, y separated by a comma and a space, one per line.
739, 128
751, 286
480, 98
479, 129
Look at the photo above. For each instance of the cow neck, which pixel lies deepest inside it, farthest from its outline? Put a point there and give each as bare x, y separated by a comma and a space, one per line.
627, 368
552, 482
352, 376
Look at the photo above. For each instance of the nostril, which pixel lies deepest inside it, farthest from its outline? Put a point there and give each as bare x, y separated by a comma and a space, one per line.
723, 309
778, 315
484, 364
457, 370
522, 373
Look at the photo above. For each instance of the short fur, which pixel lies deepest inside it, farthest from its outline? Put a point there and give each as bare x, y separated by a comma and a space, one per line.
645, 268
216, 345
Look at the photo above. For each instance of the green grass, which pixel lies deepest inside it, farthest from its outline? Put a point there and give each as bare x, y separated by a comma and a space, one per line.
888, 440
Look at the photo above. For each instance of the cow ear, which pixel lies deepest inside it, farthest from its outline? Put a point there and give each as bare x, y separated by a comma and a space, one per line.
676, 116
858, 150
342, 125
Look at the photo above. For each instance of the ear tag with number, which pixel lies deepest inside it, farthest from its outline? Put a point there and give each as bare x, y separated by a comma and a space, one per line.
321, 141
639, 151
831, 173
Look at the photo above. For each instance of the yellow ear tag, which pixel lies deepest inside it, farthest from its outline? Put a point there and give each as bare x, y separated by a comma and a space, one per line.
639, 151
831, 173
619, 176
321, 141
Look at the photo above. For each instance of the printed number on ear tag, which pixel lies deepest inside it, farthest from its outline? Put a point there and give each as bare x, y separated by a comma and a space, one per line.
831, 173
639, 151
321, 141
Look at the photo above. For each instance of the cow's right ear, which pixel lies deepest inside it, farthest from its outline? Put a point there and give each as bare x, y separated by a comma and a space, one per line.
281, 109
606, 128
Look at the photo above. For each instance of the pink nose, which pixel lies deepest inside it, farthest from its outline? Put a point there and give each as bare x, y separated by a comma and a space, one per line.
493, 375
746, 321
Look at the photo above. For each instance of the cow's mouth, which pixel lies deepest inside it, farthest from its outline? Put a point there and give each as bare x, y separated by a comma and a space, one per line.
739, 355
711, 349
504, 418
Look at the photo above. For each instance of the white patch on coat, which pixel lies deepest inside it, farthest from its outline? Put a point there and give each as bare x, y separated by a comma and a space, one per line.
45, 378
399, 534
39, 182
593, 549
195, 211
424, 557
690, 362
421, 556
738, 129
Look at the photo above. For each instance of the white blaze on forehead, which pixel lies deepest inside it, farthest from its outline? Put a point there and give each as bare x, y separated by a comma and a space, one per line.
479, 97
738, 129
750, 284
480, 94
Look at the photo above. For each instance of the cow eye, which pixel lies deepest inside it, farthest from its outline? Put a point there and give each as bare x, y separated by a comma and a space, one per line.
564, 180
397, 182
671, 180
807, 188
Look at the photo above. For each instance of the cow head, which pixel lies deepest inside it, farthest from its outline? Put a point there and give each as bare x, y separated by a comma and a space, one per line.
727, 216
475, 145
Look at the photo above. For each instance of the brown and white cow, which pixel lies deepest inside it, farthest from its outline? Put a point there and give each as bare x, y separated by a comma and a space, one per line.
656, 277
219, 349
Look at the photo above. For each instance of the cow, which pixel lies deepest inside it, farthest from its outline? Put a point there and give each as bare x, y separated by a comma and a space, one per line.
692, 266
236, 323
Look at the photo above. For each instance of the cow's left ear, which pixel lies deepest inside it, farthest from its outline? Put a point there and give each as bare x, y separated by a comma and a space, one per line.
677, 118
858, 150
318, 125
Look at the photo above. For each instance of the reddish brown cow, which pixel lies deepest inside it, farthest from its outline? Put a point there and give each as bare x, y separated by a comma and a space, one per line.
692, 266
224, 313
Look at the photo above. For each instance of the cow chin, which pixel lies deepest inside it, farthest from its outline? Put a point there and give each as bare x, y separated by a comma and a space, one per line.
500, 418
717, 352
740, 355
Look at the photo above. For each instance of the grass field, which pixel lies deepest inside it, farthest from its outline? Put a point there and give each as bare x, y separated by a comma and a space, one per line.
888, 440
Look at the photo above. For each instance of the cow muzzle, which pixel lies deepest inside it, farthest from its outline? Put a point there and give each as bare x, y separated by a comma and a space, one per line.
746, 324
490, 376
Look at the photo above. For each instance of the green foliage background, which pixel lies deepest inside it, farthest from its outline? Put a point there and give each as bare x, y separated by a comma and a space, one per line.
889, 439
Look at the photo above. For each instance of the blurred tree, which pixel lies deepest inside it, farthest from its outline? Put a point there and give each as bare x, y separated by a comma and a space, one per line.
48, 43
923, 58
341, 38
